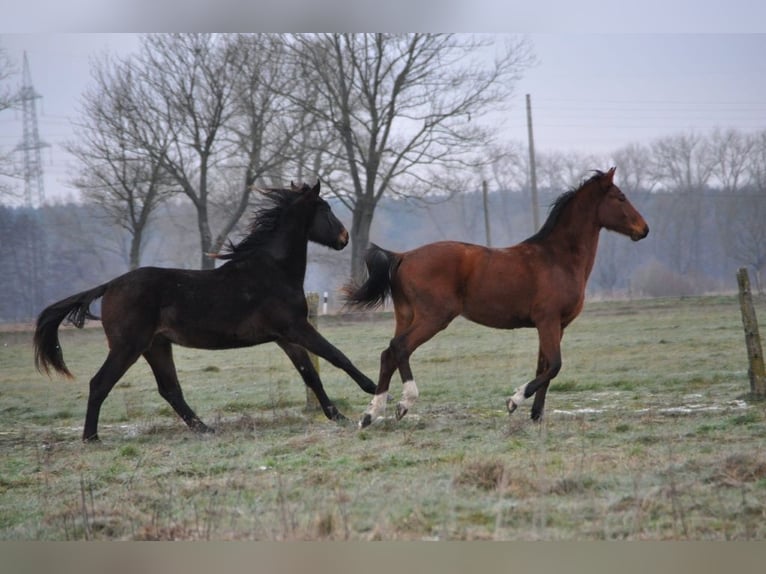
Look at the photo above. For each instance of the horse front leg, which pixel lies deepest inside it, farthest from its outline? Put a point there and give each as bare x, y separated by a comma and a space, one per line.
302, 362
538, 406
309, 338
548, 366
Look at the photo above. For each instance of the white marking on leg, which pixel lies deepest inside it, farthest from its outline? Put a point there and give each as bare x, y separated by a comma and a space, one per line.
517, 398
409, 394
377, 406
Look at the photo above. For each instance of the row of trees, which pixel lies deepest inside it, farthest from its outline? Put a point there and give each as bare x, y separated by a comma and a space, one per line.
728, 163
53, 251
207, 116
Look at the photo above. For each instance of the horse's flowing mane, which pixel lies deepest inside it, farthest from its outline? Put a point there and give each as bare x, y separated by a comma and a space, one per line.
558, 206
263, 223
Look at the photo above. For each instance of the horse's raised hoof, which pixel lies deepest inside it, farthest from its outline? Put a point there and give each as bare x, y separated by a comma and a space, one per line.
366, 421
401, 410
512, 406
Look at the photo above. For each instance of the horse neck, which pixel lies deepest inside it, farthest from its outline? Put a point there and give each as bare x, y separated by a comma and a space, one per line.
289, 247
576, 233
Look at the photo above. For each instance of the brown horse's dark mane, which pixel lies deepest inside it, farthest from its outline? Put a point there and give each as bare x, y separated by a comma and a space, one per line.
558, 206
263, 223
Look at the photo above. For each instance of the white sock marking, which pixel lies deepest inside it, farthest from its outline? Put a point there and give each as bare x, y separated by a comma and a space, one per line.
518, 396
409, 394
377, 406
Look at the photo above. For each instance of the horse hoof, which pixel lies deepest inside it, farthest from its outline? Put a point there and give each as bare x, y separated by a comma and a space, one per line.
92, 439
400, 411
366, 421
340, 418
512, 406
202, 428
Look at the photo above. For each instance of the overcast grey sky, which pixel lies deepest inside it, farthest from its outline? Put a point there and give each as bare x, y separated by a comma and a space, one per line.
591, 92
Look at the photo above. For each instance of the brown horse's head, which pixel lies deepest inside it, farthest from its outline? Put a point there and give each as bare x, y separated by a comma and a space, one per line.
616, 213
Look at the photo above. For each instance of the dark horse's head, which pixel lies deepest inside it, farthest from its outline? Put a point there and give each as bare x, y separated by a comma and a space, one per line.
324, 227
290, 214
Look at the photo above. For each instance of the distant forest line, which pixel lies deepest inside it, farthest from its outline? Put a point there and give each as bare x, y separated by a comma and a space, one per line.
697, 242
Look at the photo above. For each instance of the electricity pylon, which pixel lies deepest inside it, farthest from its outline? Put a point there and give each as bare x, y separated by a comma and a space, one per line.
34, 187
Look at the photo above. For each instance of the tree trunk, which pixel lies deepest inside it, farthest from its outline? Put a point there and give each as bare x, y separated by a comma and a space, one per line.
135, 249
205, 238
360, 237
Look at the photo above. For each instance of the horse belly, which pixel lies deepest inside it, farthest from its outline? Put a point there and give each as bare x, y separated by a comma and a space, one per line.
497, 318
500, 302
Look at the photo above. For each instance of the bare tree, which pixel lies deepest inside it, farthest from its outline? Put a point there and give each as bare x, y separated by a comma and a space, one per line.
683, 165
263, 128
115, 171
634, 167
7, 100
730, 152
745, 239
756, 166
744, 232
212, 99
402, 107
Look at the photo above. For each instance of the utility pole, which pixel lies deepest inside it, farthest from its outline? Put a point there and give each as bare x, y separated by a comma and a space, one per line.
34, 188
532, 168
486, 213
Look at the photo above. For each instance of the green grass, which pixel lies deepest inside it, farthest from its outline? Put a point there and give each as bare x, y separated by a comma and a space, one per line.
648, 435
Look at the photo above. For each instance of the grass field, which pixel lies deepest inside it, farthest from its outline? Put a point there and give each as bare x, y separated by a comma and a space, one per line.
648, 434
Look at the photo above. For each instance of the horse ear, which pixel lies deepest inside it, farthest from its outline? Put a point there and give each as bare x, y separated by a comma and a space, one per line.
293, 186
610, 174
315, 189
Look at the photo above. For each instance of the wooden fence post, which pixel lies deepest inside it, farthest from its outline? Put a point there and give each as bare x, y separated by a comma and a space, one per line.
756, 370
312, 299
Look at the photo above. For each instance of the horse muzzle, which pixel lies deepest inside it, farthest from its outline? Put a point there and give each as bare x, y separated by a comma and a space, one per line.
342, 240
639, 234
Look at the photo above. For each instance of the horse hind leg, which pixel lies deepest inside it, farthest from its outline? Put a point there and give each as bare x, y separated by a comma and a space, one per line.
114, 367
160, 359
397, 356
377, 405
410, 391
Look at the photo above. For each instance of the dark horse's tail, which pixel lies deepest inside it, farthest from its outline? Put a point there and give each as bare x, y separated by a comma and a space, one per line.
46, 340
381, 268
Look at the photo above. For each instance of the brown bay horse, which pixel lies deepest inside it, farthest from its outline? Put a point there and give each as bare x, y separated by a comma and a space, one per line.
256, 297
538, 283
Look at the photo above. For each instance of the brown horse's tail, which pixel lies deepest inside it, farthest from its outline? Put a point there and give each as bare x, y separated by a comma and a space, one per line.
46, 340
381, 267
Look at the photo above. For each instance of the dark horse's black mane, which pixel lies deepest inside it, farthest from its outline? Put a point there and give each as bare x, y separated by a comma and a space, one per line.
558, 206
264, 222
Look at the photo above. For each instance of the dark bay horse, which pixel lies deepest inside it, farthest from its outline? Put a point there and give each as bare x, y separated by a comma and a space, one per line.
538, 283
256, 297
